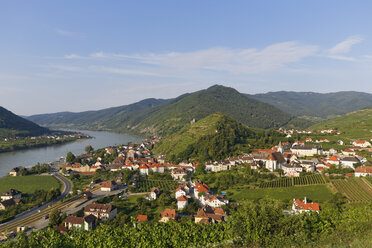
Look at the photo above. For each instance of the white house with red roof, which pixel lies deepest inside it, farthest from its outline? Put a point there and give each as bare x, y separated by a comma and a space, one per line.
108, 186
333, 160
178, 174
180, 192
361, 143
363, 171
349, 152
214, 201
144, 170
181, 202
299, 206
200, 188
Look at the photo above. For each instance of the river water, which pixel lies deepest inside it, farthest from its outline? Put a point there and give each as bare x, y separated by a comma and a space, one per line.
32, 156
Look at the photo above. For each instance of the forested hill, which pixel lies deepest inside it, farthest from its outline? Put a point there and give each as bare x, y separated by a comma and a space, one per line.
214, 137
14, 125
316, 104
100, 119
170, 116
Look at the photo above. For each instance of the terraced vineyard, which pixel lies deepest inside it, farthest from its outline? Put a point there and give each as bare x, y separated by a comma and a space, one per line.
163, 185
355, 189
292, 181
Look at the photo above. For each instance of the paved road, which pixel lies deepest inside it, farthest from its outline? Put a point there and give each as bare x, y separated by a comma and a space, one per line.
67, 186
38, 212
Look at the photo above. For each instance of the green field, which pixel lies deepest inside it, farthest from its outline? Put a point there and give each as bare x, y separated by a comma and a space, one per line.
28, 184
314, 192
163, 185
292, 181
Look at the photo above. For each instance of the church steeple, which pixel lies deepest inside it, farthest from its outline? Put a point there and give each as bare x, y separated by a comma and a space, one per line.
280, 147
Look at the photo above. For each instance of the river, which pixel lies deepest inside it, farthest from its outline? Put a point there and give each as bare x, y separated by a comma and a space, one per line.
30, 157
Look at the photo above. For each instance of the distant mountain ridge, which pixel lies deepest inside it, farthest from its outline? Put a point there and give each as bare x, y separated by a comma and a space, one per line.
321, 105
164, 117
14, 125
93, 119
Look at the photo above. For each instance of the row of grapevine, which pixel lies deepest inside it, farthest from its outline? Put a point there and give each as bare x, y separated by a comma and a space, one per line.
163, 185
289, 181
354, 189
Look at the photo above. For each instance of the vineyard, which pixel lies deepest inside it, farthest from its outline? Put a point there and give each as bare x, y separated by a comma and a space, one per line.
292, 181
163, 185
355, 189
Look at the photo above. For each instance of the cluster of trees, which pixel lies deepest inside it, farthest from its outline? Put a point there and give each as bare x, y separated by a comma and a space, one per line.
252, 224
337, 170
106, 158
36, 169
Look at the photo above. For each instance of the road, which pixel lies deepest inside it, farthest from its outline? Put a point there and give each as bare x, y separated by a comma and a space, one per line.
36, 213
35, 218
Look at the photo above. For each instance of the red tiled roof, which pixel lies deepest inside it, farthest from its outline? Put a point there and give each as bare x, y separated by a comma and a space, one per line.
182, 198
74, 220
107, 184
170, 213
306, 206
333, 158
142, 217
364, 169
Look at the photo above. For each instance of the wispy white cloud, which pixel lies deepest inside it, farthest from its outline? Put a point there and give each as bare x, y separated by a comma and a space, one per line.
235, 61
122, 71
339, 57
67, 33
345, 46
73, 56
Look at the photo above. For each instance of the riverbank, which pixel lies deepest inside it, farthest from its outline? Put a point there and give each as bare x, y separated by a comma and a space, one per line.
10, 145
30, 157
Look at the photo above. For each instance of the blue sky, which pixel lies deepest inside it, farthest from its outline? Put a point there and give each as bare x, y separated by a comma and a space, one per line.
84, 55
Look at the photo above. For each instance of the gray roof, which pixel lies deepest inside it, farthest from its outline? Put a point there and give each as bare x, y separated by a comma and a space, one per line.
351, 159
306, 147
11, 192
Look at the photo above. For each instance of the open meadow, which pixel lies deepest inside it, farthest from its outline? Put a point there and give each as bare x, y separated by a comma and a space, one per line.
319, 193
28, 184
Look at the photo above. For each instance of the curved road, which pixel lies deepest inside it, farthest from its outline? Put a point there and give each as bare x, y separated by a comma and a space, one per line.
19, 219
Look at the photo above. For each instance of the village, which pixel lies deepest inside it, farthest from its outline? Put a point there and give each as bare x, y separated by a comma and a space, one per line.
152, 177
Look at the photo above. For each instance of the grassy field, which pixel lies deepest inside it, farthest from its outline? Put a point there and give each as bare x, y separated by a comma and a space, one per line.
28, 184
315, 193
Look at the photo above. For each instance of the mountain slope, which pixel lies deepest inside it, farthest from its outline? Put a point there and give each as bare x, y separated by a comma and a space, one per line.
94, 119
316, 104
172, 115
354, 125
216, 136
13, 125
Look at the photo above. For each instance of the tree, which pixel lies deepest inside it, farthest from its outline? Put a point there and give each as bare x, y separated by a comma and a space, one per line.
89, 149
200, 169
54, 218
70, 158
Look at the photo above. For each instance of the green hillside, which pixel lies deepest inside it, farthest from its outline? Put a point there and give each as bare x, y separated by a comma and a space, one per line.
316, 105
170, 116
100, 119
354, 125
12, 125
216, 136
